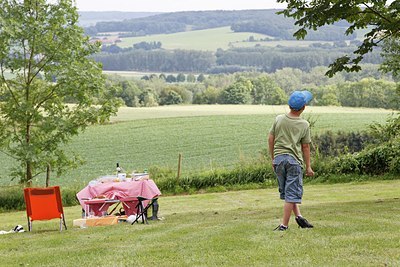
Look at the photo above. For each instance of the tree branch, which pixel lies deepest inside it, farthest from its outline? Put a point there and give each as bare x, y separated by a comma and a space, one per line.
376, 12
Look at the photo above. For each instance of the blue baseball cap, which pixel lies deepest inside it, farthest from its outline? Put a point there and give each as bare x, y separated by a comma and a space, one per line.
298, 99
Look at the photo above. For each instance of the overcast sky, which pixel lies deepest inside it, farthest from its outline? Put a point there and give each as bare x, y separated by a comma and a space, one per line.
173, 5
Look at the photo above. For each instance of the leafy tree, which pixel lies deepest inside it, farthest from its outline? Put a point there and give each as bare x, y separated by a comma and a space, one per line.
266, 91
169, 97
153, 76
237, 93
288, 79
379, 18
391, 53
201, 78
170, 78
129, 92
147, 45
45, 53
180, 78
326, 96
369, 93
191, 78
209, 96
113, 49
148, 98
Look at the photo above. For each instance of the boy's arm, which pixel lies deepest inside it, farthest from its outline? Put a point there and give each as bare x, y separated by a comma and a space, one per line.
305, 148
271, 142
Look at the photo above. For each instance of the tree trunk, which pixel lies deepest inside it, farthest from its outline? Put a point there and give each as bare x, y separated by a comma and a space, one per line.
48, 174
28, 140
28, 177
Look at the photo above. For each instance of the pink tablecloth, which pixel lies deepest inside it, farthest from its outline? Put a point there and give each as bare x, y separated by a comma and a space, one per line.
119, 190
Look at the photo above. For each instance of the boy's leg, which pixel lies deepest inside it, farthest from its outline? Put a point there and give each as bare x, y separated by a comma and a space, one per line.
287, 211
296, 210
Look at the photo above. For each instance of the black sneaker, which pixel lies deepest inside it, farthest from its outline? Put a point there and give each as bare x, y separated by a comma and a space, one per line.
303, 223
281, 227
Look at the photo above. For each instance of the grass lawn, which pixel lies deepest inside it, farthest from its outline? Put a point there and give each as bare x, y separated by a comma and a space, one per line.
355, 225
208, 137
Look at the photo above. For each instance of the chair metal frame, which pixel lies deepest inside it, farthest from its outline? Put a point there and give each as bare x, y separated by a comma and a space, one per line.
142, 210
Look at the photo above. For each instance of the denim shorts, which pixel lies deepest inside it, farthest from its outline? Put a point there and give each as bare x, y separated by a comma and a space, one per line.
290, 178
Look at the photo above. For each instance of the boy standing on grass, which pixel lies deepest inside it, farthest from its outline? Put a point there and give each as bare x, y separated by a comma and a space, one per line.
289, 145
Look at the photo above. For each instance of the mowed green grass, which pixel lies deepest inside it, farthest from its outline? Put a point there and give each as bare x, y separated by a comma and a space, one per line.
207, 137
356, 224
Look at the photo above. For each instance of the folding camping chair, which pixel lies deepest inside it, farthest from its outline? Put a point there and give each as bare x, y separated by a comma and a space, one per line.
142, 207
44, 204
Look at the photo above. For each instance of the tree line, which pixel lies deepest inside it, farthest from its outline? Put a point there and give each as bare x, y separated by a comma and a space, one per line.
265, 59
279, 30
358, 90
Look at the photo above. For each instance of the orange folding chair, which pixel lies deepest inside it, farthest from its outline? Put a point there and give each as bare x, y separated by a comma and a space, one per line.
44, 204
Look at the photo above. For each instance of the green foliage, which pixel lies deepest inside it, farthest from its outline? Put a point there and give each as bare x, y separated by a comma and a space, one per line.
255, 173
128, 92
387, 131
375, 16
209, 96
191, 78
390, 52
43, 47
148, 98
170, 78
369, 93
237, 93
157, 60
180, 78
147, 45
339, 143
201, 77
376, 159
266, 91
271, 89
325, 96
12, 198
170, 97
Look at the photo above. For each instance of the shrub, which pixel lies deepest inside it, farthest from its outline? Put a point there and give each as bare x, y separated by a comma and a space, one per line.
377, 159
250, 174
12, 198
334, 144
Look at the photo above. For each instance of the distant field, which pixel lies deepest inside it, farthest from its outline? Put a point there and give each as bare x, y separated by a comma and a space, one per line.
209, 39
207, 136
126, 113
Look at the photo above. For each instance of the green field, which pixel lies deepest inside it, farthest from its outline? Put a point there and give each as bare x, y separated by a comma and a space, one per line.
208, 137
209, 39
356, 224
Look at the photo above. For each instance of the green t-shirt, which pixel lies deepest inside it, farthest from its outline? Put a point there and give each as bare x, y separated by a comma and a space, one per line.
290, 133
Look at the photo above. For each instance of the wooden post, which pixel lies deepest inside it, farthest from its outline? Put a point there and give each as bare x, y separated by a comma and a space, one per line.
179, 166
